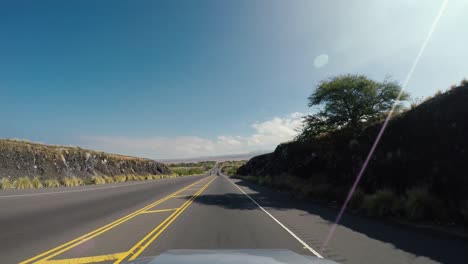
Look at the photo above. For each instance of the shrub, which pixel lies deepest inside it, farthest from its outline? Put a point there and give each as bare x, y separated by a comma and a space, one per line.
6, 184
108, 179
23, 183
381, 204
37, 183
120, 178
149, 177
50, 183
98, 180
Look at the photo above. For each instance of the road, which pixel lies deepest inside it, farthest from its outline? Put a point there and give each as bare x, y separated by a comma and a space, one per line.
119, 222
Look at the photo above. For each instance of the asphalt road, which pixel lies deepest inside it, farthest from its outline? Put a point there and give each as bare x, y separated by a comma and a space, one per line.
119, 222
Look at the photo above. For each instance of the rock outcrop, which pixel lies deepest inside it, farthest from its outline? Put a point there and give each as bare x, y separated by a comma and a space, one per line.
21, 158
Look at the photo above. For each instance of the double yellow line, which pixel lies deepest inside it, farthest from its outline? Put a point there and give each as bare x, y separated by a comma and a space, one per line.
73, 243
157, 231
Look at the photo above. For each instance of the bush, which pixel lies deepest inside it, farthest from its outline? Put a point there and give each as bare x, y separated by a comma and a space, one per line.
72, 181
108, 179
382, 203
6, 184
50, 183
98, 180
120, 178
23, 183
421, 205
37, 183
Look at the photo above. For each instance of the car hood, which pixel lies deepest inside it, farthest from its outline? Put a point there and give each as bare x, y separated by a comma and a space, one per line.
244, 256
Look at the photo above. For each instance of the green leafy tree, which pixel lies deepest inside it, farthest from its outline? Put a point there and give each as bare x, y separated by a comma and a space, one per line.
349, 101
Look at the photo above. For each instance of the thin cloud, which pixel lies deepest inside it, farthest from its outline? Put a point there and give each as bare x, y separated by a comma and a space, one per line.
267, 135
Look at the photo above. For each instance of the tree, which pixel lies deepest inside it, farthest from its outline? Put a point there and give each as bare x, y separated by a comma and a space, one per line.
349, 101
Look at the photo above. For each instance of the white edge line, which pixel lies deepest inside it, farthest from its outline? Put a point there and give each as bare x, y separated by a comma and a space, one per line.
85, 190
277, 221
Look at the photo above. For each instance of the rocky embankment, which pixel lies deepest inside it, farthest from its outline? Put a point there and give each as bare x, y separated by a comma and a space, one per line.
418, 171
20, 158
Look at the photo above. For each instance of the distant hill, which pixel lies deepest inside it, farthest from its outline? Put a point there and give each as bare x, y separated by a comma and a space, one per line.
419, 170
245, 156
22, 158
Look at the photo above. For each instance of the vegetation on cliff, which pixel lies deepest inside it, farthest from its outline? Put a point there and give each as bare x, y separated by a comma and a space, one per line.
418, 171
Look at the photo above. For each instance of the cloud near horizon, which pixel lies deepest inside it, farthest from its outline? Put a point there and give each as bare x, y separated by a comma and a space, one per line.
267, 135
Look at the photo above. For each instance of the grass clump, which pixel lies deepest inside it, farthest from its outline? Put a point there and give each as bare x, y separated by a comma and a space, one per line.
72, 181
381, 204
23, 183
51, 183
6, 184
120, 178
98, 180
37, 183
108, 179
420, 205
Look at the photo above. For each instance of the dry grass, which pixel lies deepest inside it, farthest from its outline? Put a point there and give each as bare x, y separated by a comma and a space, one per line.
52, 183
132, 177
120, 178
98, 180
141, 178
6, 184
72, 181
36, 183
108, 179
23, 183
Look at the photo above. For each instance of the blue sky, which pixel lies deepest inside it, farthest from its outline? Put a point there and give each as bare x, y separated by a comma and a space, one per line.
175, 79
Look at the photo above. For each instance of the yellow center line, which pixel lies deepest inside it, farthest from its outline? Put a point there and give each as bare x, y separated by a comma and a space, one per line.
161, 227
158, 211
66, 246
84, 260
